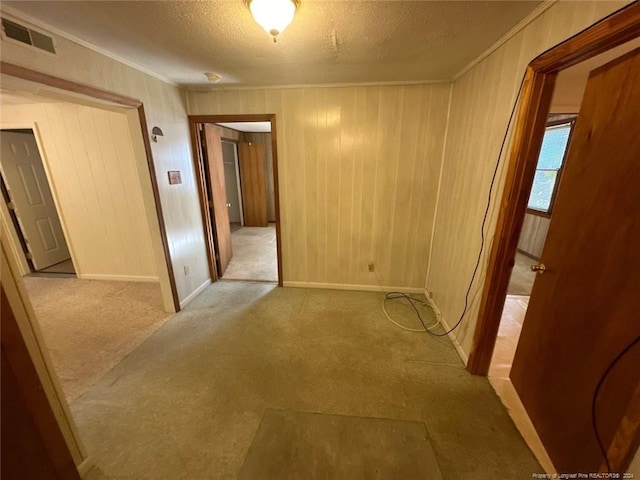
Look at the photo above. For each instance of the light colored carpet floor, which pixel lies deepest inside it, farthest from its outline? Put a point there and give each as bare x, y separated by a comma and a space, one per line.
90, 325
187, 403
522, 278
295, 445
254, 254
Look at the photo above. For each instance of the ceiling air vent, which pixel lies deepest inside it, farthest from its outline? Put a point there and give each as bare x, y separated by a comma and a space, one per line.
28, 36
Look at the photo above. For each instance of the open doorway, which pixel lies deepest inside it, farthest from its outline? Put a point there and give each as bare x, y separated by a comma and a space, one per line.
19, 86
26, 189
559, 328
75, 222
555, 145
236, 159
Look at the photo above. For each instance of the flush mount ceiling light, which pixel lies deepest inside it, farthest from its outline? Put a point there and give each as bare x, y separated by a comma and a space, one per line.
212, 77
273, 15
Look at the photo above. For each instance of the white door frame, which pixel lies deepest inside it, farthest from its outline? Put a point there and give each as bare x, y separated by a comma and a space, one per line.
16, 248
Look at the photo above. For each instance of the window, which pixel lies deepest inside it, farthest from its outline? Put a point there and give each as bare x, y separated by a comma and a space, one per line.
552, 154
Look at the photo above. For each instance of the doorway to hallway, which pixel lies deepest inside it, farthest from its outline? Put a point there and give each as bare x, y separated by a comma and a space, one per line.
237, 173
30, 205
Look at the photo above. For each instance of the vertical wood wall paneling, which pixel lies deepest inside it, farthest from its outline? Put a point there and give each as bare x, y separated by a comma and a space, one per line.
533, 235
359, 173
89, 159
481, 103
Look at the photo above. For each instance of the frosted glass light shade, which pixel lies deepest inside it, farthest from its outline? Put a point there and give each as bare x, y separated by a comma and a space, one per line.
273, 15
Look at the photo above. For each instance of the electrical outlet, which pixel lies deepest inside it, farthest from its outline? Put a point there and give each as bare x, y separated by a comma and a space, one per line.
186, 269
372, 267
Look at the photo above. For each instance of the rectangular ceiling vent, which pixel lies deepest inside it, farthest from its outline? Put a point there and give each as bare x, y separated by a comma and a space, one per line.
27, 36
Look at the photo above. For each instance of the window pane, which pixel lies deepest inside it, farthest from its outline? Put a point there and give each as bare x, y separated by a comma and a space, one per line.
543, 184
553, 146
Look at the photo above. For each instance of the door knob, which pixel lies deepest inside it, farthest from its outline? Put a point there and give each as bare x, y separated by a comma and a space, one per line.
539, 268
228, 205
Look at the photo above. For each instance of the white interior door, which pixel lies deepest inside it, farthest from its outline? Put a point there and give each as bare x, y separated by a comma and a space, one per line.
32, 201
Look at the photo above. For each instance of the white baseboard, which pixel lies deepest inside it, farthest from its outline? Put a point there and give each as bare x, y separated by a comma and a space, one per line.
195, 293
357, 288
454, 340
85, 466
117, 278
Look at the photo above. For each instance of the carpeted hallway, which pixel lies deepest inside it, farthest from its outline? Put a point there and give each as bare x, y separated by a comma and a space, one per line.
254, 254
236, 374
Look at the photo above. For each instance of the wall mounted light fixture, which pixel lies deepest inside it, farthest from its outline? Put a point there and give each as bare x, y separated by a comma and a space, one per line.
155, 133
273, 15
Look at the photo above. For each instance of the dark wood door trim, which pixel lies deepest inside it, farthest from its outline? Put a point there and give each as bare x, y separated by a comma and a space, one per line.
31, 394
194, 122
125, 101
614, 30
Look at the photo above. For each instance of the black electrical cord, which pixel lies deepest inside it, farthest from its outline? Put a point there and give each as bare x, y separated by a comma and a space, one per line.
410, 299
482, 243
484, 218
594, 399
493, 179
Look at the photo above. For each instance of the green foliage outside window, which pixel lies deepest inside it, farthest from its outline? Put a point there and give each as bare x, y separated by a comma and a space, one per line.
550, 160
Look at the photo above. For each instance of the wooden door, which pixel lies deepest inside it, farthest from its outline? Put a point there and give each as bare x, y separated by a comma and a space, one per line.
253, 184
218, 192
33, 445
584, 309
31, 199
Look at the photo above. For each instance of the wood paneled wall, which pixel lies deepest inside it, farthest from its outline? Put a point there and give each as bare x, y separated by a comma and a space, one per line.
533, 235
89, 159
481, 104
358, 170
165, 106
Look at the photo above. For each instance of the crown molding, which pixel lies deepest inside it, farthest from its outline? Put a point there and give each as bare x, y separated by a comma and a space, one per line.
218, 88
539, 10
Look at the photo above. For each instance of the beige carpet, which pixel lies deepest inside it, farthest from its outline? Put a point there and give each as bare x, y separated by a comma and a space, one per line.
254, 254
89, 325
189, 402
301, 445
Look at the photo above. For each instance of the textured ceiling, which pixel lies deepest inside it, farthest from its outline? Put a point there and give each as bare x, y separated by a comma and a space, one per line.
327, 42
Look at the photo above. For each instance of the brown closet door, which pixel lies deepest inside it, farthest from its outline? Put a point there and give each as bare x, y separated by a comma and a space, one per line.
253, 184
